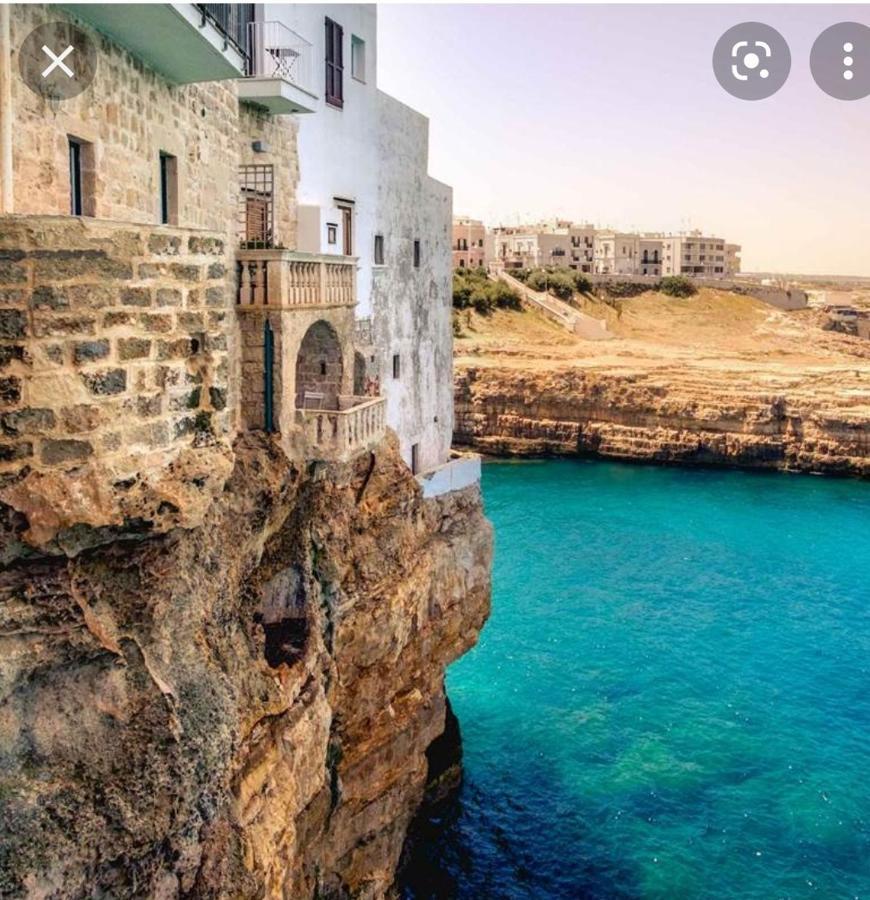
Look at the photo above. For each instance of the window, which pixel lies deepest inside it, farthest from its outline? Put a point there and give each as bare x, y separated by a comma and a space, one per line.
397, 368
415, 458
168, 189
417, 254
81, 177
256, 204
334, 64
358, 58
75, 178
331, 233
346, 210
379, 249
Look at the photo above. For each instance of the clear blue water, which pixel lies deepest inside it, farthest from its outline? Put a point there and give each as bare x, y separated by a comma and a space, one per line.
671, 698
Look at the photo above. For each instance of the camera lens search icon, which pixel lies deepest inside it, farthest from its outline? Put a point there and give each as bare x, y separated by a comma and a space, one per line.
751, 61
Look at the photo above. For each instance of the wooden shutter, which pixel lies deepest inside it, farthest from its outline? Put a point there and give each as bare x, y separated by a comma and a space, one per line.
334, 63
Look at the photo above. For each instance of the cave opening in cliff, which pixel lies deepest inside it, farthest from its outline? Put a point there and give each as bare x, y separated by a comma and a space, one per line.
285, 641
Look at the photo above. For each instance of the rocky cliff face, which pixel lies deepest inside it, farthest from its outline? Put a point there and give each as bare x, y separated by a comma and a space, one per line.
241, 709
809, 423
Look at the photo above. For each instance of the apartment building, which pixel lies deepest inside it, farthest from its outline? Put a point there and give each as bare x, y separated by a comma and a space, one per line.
699, 255
616, 253
562, 244
558, 244
231, 228
472, 244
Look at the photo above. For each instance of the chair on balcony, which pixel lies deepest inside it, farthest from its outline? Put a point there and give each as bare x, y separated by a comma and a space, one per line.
313, 397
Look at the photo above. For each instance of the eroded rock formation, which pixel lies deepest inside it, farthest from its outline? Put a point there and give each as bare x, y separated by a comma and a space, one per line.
809, 422
241, 709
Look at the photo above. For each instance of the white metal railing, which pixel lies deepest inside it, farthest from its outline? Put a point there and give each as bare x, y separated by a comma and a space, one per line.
358, 423
278, 52
287, 279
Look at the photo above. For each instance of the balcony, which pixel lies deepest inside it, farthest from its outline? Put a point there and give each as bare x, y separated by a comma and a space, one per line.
279, 70
340, 434
287, 279
184, 42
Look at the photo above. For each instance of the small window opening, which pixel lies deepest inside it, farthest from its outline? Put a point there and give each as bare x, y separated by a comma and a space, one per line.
415, 458
358, 58
397, 368
379, 249
416, 254
168, 189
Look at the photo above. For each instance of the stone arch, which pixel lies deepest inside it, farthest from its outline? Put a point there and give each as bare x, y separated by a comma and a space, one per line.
319, 365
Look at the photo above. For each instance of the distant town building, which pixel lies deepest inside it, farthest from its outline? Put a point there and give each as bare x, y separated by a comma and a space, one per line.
559, 243
563, 244
471, 243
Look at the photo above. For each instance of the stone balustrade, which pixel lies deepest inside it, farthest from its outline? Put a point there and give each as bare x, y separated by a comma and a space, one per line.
339, 434
287, 279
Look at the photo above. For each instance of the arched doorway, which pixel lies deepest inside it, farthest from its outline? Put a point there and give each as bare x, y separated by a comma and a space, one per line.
319, 368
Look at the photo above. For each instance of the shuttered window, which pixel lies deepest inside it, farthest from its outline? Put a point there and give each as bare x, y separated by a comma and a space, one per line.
334, 64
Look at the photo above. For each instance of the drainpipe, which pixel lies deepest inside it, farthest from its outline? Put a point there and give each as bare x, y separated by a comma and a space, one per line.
6, 197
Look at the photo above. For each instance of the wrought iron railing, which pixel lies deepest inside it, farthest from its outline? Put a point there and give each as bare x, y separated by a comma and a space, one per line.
276, 51
232, 20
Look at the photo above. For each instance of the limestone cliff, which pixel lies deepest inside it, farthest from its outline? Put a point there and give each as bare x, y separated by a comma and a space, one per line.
816, 422
240, 709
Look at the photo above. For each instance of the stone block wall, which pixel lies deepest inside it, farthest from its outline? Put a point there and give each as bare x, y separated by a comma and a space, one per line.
253, 407
113, 342
128, 115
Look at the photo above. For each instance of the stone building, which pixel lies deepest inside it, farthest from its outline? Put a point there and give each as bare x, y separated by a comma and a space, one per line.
169, 276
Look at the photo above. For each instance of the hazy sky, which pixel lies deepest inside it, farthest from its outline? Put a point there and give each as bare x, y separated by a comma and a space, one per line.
612, 114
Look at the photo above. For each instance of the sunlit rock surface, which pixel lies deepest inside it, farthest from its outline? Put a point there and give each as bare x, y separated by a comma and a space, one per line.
241, 709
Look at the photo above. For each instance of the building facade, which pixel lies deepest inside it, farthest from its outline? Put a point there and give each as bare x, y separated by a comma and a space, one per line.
699, 255
557, 244
169, 275
471, 244
584, 248
365, 193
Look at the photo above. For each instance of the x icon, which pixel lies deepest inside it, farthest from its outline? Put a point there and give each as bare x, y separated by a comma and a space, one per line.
57, 61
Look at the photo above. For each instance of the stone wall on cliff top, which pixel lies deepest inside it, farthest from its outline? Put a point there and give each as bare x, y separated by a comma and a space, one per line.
639, 417
115, 373
240, 709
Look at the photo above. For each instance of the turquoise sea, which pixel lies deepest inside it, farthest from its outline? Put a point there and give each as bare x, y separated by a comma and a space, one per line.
672, 696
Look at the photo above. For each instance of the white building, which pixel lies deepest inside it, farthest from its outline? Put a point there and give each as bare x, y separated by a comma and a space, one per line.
700, 256
616, 253
558, 244
364, 192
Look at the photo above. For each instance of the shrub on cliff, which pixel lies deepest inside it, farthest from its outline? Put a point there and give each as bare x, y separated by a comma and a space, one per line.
677, 286
538, 280
562, 284
582, 284
472, 289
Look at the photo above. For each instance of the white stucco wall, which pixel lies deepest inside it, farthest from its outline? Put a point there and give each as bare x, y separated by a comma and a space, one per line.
374, 151
337, 147
412, 306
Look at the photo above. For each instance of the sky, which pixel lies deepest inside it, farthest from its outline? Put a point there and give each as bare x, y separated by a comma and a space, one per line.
611, 114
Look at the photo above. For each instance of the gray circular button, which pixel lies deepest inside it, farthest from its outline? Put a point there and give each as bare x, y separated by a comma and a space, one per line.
751, 61
57, 60
840, 61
